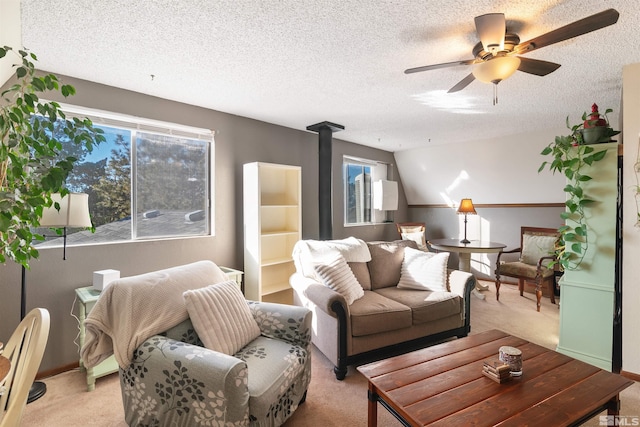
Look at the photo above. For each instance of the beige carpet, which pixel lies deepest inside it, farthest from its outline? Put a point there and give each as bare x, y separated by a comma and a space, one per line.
329, 402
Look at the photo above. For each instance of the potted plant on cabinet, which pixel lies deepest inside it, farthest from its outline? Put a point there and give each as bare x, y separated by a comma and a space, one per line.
32, 164
571, 154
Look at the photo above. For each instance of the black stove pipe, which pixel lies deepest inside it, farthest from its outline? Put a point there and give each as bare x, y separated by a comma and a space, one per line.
325, 132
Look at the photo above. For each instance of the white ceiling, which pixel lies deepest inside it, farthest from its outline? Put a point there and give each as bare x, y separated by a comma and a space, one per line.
298, 62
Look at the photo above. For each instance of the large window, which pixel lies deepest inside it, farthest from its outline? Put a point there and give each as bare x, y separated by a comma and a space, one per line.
359, 174
147, 180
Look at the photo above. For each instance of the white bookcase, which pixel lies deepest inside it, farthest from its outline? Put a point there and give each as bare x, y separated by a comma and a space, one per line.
272, 226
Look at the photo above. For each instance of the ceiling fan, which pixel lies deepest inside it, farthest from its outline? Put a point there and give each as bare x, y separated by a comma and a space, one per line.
496, 56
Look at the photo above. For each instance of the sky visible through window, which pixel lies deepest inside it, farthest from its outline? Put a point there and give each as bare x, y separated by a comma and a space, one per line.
103, 150
358, 193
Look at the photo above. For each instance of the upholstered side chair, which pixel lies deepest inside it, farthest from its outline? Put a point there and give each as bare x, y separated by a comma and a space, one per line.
537, 246
415, 231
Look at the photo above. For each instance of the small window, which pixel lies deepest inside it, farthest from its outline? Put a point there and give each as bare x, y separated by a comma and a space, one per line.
359, 175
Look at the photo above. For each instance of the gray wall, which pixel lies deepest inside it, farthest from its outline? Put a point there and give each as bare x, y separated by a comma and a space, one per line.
51, 281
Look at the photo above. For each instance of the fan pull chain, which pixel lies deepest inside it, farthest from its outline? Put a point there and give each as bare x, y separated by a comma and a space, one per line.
495, 93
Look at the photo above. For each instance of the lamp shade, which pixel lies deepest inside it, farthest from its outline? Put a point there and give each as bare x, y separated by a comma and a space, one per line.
466, 207
496, 69
74, 211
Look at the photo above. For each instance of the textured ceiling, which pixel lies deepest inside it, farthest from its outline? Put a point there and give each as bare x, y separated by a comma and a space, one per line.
299, 62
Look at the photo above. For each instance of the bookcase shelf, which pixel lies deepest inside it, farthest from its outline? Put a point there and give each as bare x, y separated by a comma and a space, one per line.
272, 226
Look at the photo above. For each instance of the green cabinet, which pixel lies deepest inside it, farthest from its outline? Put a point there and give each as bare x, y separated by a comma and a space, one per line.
87, 298
588, 293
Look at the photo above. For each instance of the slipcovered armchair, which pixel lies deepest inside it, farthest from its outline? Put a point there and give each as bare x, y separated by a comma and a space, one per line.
193, 352
537, 246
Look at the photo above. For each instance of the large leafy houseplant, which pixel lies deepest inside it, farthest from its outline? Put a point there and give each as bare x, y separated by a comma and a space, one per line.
570, 156
32, 163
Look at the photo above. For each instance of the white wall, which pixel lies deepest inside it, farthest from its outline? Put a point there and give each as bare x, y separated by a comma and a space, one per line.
490, 171
631, 234
10, 34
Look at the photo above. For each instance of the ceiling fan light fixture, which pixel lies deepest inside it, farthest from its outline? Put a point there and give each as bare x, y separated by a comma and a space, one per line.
496, 69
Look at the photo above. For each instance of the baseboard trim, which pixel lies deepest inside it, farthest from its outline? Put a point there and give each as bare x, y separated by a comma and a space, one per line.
56, 371
630, 375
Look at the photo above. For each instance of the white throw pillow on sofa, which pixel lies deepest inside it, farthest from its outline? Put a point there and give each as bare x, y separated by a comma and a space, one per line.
424, 270
337, 275
221, 317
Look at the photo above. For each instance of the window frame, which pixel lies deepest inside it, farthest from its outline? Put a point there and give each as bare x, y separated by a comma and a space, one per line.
379, 170
134, 124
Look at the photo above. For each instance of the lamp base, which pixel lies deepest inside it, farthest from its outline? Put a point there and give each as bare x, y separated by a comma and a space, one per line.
465, 241
38, 389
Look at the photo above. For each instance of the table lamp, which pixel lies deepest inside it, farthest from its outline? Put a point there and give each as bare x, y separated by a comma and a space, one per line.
466, 208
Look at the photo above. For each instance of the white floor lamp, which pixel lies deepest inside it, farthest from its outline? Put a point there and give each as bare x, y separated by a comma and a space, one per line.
74, 212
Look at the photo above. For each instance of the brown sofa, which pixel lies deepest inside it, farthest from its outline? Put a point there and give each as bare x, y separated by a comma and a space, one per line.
387, 320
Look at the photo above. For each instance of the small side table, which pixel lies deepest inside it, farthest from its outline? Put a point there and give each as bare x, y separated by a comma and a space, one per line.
235, 275
87, 297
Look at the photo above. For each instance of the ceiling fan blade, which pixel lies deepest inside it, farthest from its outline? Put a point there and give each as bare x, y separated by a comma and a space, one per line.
462, 83
436, 66
491, 29
537, 66
577, 28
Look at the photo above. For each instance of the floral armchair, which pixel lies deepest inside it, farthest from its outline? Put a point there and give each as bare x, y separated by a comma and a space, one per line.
174, 380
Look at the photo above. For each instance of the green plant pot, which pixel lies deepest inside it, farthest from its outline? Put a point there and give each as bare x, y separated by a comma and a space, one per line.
595, 135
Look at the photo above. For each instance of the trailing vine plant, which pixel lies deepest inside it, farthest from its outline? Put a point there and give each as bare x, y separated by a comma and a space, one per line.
570, 156
32, 167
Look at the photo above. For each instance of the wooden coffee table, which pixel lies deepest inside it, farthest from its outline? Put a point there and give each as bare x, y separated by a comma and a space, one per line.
443, 385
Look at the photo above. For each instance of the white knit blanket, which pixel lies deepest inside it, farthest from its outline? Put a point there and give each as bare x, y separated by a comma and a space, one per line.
132, 309
307, 253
